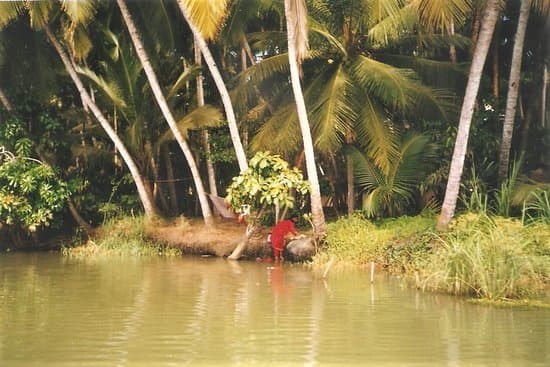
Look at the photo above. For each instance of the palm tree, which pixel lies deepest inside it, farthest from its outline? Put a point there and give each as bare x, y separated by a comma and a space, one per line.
296, 21
39, 14
353, 92
159, 96
390, 189
209, 15
489, 19
513, 87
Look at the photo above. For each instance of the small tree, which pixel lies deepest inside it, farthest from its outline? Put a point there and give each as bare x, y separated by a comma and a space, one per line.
268, 184
30, 193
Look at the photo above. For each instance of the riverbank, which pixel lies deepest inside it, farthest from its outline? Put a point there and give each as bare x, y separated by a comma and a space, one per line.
192, 237
171, 237
478, 256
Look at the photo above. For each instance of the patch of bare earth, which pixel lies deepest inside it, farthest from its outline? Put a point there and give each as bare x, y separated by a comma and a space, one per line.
220, 239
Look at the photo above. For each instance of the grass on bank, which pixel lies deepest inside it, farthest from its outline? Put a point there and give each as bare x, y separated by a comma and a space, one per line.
126, 236
487, 257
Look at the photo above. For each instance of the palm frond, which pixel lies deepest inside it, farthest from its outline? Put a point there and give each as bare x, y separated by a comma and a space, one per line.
110, 88
266, 69
281, 133
320, 29
331, 112
393, 27
200, 117
432, 104
416, 157
9, 11
269, 41
442, 14
376, 134
207, 16
425, 43
390, 85
392, 191
39, 12
379, 10
442, 74
367, 175
78, 40
319, 9
81, 11
240, 14
186, 75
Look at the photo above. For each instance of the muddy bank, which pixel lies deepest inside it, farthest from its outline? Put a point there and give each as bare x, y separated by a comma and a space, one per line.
194, 238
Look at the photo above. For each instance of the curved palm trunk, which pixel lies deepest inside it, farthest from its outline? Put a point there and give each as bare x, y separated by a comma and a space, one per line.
200, 102
318, 217
5, 101
224, 94
148, 205
513, 85
157, 91
545, 79
452, 48
489, 20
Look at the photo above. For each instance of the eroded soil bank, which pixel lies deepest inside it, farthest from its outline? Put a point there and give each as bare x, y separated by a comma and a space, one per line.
220, 239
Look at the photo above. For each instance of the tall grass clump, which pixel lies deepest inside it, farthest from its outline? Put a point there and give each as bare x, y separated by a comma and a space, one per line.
411, 244
396, 244
537, 206
491, 257
122, 236
354, 240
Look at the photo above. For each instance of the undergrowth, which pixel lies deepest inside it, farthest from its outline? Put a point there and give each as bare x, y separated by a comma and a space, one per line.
482, 256
122, 237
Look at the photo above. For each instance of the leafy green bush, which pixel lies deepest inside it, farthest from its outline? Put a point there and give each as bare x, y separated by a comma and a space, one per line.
30, 194
268, 182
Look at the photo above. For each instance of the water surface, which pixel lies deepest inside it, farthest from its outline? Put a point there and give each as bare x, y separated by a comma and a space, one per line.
56, 311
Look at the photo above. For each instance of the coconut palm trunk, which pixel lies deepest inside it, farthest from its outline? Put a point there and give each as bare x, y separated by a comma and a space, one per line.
513, 86
296, 14
488, 23
148, 206
545, 79
159, 96
224, 94
5, 101
200, 102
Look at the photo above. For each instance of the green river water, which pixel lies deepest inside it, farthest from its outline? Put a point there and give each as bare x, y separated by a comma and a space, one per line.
56, 311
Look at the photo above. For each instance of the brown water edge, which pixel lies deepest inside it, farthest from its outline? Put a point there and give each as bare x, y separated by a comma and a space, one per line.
195, 238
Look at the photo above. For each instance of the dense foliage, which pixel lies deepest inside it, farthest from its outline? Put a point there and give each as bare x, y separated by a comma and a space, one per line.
383, 81
488, 257
30, 194
268, 183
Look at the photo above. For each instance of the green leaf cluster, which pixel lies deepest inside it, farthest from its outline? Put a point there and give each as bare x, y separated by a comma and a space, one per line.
268, 182
30, 194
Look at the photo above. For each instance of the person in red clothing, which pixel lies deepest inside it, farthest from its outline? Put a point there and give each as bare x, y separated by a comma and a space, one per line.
278, 234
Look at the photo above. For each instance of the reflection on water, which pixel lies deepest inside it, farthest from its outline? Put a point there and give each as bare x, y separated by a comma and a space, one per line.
180, 312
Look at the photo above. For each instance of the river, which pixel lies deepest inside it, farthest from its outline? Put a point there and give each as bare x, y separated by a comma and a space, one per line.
193, 311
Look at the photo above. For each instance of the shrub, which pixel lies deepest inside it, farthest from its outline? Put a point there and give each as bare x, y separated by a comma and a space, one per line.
493, 258
122, 237
355, 239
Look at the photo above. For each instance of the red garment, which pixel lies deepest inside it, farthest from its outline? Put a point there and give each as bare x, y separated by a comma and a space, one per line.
278, 235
